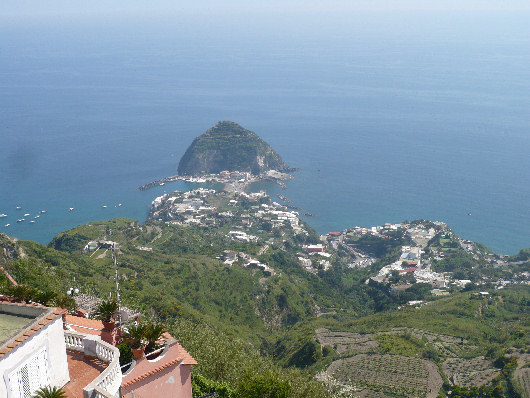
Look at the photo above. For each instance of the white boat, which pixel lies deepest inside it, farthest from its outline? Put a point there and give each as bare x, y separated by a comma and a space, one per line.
3, 215
43, 211
71, 209
120, 205
18, 207
20, 220
162, 184
36, 217
32, 222
26, 215
104, 206
7, 225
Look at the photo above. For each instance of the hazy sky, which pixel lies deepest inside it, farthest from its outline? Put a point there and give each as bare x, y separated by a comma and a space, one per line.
29, 8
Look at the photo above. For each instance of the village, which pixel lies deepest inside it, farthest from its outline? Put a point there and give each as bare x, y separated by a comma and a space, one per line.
256, 222
235, 181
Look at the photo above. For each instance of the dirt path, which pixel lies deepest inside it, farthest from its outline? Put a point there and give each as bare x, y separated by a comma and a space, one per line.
263, 250
103, 255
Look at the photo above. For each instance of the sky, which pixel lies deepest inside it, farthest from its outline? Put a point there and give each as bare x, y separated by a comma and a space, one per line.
49, 8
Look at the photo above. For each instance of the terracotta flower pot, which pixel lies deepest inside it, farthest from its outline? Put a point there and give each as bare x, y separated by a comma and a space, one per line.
109, 326
138, 352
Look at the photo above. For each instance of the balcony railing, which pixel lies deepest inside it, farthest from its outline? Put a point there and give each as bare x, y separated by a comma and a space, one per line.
107, 384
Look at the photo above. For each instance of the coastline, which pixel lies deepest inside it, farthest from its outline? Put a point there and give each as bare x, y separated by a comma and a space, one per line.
232, 181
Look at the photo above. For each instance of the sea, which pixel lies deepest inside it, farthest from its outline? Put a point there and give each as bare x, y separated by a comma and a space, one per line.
388, 116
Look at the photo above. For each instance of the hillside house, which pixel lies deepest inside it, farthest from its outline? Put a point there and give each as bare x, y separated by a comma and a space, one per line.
314, 248
41, 346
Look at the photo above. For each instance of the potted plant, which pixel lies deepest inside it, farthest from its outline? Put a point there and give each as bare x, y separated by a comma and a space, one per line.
105, 312
135, 333
152, 333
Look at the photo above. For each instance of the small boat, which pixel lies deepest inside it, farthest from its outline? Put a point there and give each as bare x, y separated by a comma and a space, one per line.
32, 222
43, 211
18, 207
120, 205
26, 215
7, 225
71, 209
104, 206
3, 215
36, 217
20, 220
162, 184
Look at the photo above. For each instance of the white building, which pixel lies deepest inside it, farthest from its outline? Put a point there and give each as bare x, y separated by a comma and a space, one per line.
32, 349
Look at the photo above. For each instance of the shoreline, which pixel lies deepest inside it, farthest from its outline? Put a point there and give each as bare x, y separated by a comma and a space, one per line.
232, 181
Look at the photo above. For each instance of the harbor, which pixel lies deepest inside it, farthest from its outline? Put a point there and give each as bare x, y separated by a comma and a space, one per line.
234, 181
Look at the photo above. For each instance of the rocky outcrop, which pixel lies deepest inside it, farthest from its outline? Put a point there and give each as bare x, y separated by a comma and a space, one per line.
228, 146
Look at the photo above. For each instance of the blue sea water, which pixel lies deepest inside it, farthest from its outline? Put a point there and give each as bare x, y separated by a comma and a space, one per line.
389, 117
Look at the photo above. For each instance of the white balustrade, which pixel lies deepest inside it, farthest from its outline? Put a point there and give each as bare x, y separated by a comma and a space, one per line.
74, 341
109, 381
106, 385
100, 393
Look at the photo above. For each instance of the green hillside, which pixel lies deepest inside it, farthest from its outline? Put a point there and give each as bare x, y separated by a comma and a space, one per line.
334, 323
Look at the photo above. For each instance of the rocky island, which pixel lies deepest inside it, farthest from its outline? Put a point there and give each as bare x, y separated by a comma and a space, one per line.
228, 146
231, 155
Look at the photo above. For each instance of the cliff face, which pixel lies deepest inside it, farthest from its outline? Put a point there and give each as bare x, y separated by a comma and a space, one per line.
228, 146
8, 249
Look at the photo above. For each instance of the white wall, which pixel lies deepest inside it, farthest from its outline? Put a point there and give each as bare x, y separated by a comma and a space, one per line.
52, 338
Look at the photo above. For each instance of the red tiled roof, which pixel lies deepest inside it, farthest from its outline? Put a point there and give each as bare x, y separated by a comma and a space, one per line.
409, 269
33, 328
8, 276
175, 355
151, 372
85, 325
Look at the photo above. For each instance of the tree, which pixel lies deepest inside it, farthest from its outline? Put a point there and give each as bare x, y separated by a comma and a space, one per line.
267, 386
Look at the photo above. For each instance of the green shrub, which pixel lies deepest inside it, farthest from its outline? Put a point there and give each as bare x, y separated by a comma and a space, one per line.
203, 386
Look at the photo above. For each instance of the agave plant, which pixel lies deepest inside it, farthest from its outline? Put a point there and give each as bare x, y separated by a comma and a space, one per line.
105, 310
49, 392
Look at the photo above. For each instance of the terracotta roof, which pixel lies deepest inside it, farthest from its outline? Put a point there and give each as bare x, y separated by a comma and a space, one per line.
151, 372
39, 323
187, 359
176, 355
8, 276
85, 325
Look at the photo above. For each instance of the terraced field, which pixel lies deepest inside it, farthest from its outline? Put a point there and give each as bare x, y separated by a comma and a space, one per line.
357, 343
522, 379
380, 374
469, 372
343, 342
364, 367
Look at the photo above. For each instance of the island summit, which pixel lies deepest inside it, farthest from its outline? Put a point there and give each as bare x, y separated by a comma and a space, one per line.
229, 146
